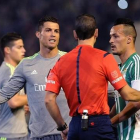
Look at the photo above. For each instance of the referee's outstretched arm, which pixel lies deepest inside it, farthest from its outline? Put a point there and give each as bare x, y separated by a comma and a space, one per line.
129, 94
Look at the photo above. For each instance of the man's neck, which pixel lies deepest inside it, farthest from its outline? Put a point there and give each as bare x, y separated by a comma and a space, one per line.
11, 62
47, 53
90, 42
86, 42
126, 55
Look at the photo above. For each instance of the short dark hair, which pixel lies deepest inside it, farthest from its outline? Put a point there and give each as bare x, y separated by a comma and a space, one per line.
85, 26
129, 27
46, 19
7, 40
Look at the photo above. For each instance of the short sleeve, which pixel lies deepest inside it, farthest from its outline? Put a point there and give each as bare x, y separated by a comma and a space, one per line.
53, 82
112, 72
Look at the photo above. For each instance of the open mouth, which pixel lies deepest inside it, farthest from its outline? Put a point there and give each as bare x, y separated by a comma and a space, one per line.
52, 40
113, 46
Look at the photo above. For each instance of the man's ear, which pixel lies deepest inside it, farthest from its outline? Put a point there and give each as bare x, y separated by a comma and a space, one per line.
7, 50
96, 33
129, 39
75, 35
37, 34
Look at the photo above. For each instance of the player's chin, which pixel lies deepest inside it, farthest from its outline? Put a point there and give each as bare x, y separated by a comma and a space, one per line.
51, 47
21, 58
115, 53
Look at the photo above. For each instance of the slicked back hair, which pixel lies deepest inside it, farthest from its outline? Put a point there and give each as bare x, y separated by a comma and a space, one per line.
7, 41
85, 26
46, 19
129, 28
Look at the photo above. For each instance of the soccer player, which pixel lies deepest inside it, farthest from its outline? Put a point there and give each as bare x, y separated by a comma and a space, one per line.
32, 72
123, 35
12, 116
83, 73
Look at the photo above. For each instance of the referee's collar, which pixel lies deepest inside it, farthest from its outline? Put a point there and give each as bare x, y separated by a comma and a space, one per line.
84, 45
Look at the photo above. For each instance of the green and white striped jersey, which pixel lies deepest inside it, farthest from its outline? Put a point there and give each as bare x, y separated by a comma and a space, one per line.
129, 129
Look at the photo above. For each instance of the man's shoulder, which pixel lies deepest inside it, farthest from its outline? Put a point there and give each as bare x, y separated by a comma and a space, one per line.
5, 67
29, 58
135, 58
101, 52
5, 73
61, 53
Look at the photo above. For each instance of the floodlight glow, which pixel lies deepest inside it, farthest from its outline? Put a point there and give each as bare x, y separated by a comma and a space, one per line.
123, 4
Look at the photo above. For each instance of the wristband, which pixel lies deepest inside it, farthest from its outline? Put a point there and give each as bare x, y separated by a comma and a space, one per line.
61, 128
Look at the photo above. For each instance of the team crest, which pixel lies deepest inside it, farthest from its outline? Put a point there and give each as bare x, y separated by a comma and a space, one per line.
114, 74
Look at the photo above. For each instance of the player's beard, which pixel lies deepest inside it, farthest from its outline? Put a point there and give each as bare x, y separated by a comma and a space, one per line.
116, 53
50, 47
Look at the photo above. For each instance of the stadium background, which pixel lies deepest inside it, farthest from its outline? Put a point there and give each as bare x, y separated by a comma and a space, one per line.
22, 16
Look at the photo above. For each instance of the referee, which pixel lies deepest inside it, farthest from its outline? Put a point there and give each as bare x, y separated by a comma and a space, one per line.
84, 73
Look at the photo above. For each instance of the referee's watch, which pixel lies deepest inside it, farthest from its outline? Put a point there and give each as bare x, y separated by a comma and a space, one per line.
63, 127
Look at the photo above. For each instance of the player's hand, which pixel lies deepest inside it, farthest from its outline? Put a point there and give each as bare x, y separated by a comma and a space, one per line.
64, 134
26, 109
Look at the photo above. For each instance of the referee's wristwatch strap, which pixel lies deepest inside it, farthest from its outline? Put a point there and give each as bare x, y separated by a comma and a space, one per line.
61, 128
